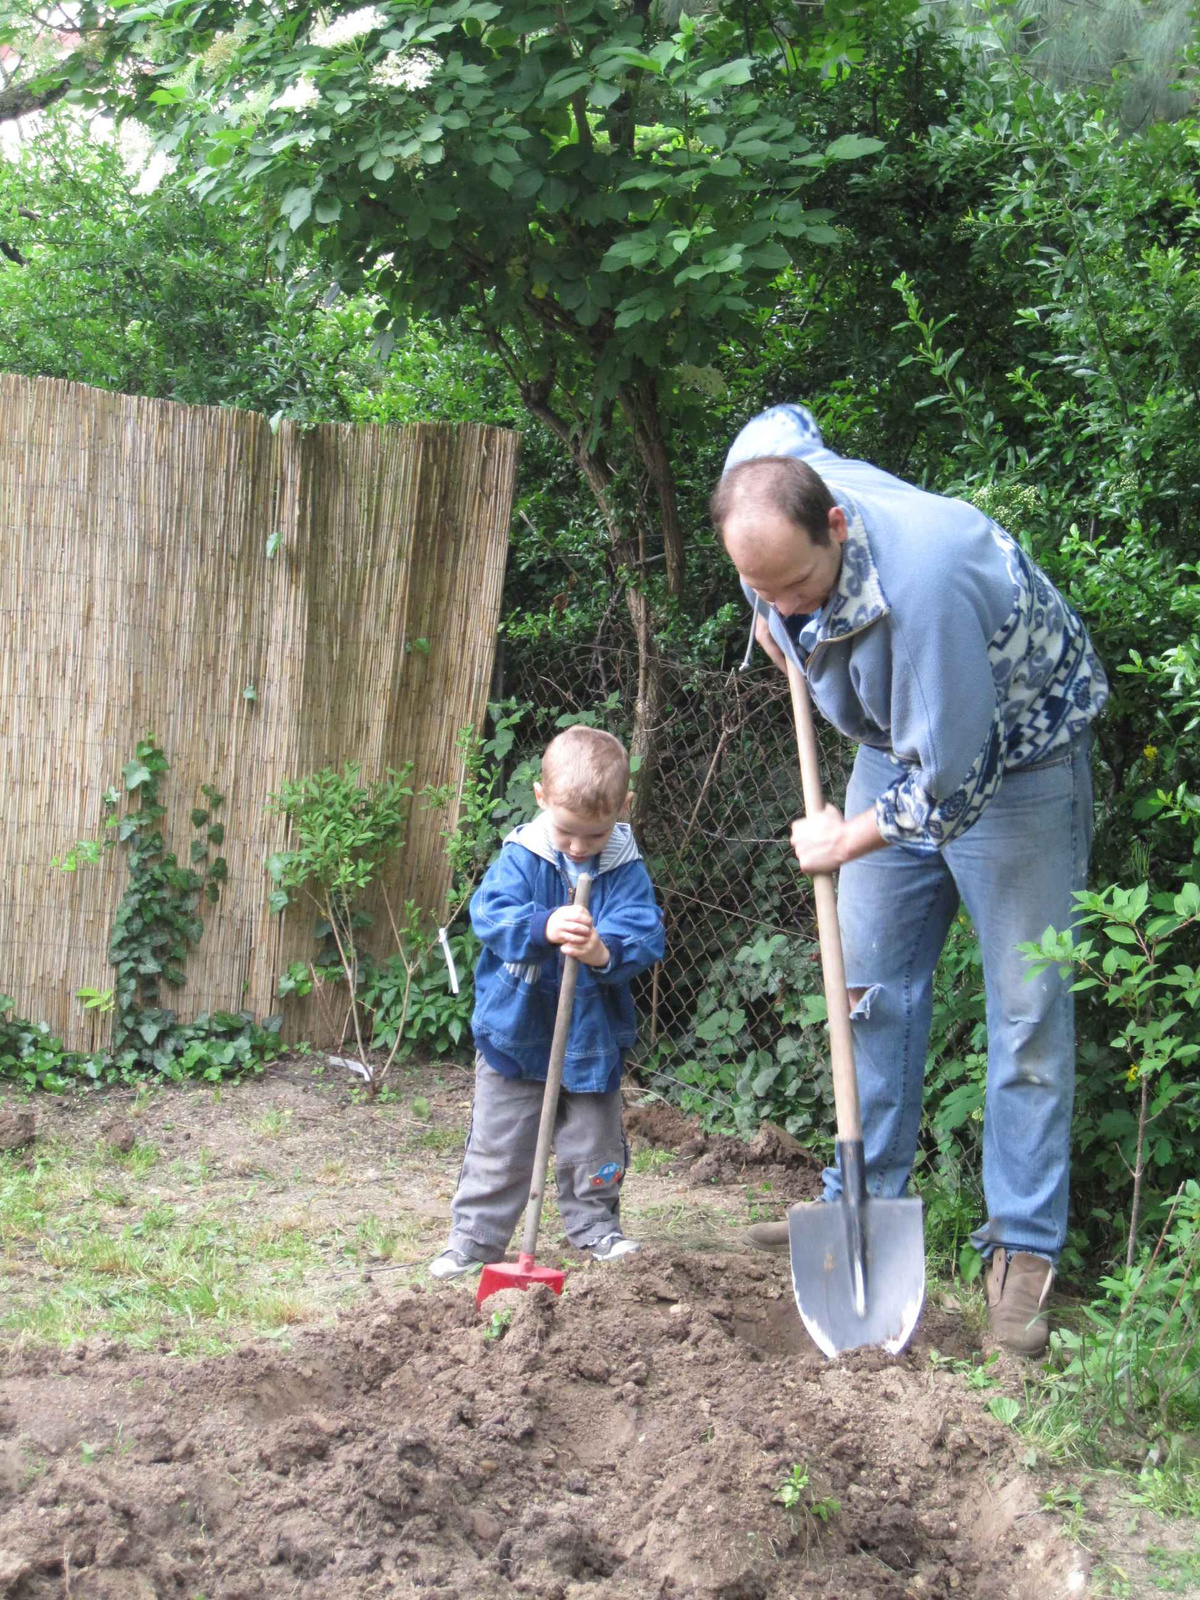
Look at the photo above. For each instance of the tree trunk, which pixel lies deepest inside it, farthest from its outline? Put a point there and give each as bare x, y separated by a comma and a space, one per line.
648, 707
639, 401
18, 100
1139, 1168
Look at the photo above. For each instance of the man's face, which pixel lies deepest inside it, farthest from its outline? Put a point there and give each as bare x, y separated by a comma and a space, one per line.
577, 835
779, 561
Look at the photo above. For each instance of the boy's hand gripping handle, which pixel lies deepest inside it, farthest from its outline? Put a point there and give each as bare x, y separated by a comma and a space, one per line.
558, 1051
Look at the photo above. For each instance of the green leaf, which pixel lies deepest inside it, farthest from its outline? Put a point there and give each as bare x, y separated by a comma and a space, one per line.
773, 256
852, 145
763, 1081
1004, 1408
712, 1027
727, 76
296, 206
565, 83
136, 774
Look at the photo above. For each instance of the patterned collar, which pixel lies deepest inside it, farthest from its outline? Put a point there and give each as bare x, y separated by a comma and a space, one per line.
858, 598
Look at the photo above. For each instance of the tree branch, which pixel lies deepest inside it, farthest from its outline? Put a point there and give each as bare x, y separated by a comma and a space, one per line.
21, 99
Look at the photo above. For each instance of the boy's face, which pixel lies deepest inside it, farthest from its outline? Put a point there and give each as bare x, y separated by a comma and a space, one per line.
781, 563
577, 834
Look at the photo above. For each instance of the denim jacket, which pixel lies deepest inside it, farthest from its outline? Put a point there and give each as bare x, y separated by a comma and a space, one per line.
942, 643
517, 975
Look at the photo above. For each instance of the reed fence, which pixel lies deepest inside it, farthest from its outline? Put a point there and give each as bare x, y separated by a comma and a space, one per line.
268, 603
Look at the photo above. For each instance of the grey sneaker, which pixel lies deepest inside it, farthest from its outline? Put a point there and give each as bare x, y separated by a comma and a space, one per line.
453, 1264
1018, 1286
612, 1247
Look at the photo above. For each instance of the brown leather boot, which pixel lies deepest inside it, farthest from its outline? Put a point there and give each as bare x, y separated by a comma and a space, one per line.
773, 1236
1018, 1286
770, 1236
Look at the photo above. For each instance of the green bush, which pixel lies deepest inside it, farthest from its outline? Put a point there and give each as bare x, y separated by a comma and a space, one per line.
1135, 1361
755, 1047
432, 1018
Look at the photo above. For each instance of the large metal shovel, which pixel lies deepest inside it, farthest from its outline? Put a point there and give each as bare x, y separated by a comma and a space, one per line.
858, 1264
523, 1273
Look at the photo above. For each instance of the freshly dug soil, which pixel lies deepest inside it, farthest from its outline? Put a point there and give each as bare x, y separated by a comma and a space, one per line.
624, 1442
772, 1156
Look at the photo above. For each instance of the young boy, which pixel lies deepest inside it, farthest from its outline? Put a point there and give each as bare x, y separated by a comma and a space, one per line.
523, 914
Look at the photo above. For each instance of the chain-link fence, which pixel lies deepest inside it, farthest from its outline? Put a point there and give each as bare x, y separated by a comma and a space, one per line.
728, 1016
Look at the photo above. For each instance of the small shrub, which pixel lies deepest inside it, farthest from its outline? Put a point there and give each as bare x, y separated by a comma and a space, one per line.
344, 833
1136, 1361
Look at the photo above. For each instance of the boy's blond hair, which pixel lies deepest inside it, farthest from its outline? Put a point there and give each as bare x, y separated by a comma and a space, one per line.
586, 770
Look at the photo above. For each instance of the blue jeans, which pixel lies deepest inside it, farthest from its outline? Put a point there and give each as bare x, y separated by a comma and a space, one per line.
1015, 871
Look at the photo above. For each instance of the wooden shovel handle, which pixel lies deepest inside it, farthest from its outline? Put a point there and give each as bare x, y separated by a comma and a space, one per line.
837, 1001
558, 1052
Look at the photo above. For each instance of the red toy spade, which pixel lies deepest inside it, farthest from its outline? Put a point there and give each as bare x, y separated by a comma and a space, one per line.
523, 1273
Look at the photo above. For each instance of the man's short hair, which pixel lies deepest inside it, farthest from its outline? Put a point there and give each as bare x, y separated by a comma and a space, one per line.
586, 770
775, 483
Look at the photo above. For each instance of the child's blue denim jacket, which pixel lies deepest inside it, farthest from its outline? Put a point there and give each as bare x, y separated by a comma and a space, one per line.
517, 975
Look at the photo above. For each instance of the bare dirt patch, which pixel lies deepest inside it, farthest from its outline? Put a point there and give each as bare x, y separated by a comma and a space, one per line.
625, 1441
628, 1441
772, 1159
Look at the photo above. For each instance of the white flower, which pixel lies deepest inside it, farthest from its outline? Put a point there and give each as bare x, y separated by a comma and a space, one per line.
342, 29
395, 71
297, 96
154, 172
219, 53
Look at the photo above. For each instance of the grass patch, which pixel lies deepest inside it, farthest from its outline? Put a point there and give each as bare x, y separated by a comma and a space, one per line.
651, 1160
393, 1238
193, 1173
1172, 1490
1174, 1571
440, 1140
86, 1251
274, 1122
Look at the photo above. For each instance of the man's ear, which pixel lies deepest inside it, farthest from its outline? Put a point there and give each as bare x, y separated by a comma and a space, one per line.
838, 526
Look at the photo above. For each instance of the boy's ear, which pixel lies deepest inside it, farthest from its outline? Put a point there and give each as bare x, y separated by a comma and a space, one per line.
537, 795
623, 809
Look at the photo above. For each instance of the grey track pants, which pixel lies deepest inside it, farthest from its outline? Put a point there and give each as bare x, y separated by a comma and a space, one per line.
590, 1157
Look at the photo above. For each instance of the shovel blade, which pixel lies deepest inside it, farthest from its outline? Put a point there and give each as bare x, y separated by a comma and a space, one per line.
516, 1275
822, 1274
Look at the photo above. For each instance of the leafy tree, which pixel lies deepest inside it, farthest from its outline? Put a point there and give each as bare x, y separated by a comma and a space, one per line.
602, 197
157, 293
1073, 46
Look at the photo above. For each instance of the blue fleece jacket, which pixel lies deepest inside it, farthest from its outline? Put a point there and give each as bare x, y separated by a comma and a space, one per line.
942, 643
517, 975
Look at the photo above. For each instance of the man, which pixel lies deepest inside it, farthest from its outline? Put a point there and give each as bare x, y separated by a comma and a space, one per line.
929, 637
